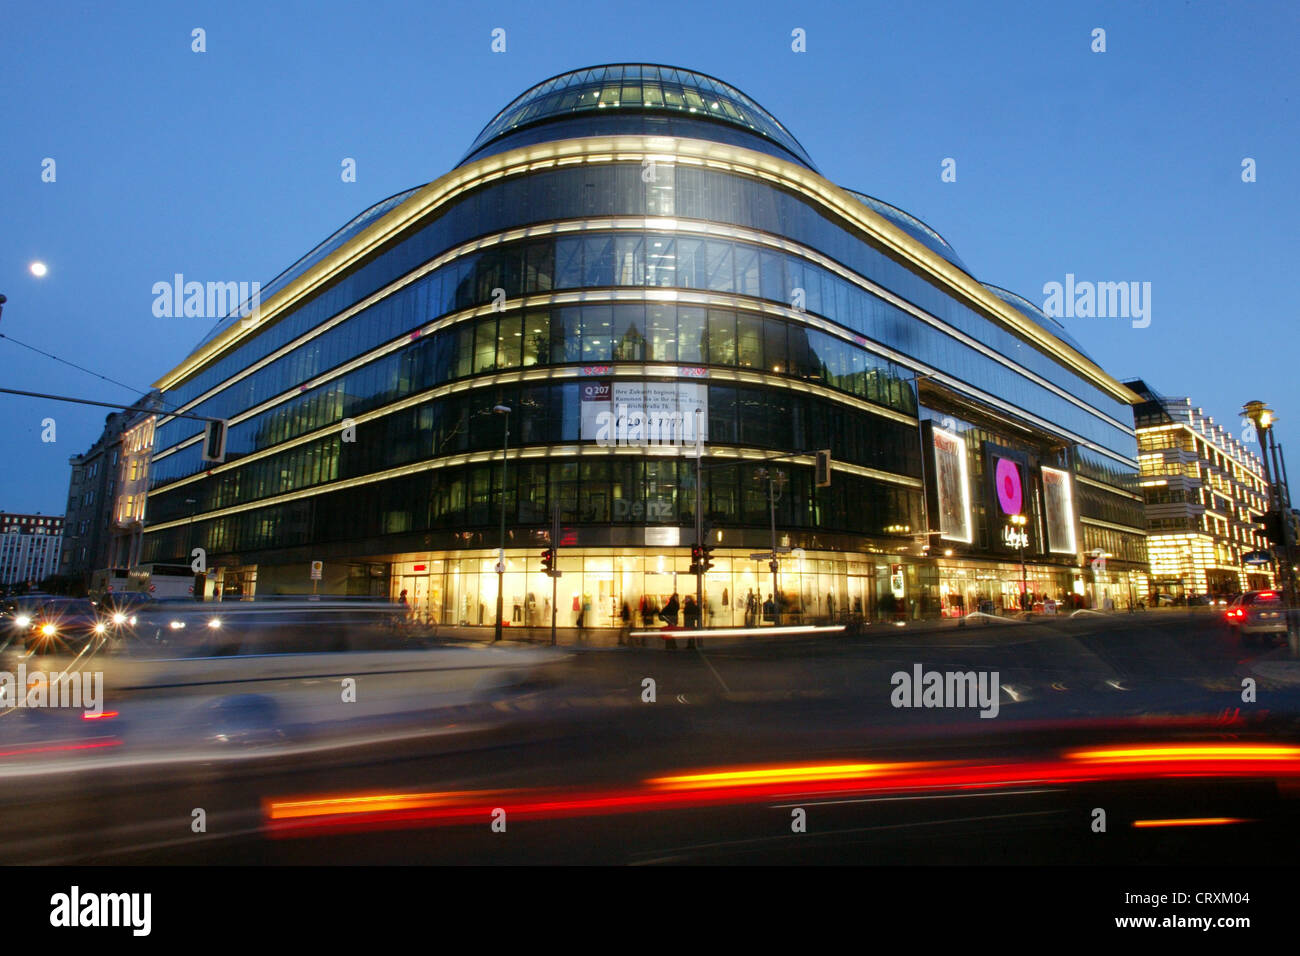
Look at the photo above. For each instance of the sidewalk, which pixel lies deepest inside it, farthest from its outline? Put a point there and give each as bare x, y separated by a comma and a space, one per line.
610, 637
1278, 666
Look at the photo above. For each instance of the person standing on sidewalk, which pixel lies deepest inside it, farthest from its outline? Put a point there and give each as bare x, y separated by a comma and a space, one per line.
669, 613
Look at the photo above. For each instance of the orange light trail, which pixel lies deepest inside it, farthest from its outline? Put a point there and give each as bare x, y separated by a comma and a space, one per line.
778, 783
1190, 822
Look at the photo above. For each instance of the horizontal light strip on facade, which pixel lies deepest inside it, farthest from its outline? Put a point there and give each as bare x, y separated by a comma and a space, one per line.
1083, 479
600, 296
1129, 529
644, 294
683, 152
527, 454
535, 375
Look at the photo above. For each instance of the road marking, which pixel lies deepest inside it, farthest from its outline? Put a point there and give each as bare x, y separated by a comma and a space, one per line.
725, 688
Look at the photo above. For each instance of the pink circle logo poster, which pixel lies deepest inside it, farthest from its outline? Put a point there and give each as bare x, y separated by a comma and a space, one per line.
1011, 494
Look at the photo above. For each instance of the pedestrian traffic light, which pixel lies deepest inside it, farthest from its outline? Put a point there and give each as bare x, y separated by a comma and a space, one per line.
706, 558
548, 562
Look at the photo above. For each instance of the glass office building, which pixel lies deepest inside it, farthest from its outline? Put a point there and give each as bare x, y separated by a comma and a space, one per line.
635, 260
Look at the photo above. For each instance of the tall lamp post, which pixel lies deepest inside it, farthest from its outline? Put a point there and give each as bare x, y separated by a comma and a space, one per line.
1020, 521
1264, 419
501, 553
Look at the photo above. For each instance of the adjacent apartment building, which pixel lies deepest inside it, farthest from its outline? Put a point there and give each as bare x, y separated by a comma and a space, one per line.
29, 548
106, 495
1204, 491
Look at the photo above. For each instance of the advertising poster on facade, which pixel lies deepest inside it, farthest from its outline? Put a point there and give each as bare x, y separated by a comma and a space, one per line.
1008, 493
953, 486
1058, 505
644, 414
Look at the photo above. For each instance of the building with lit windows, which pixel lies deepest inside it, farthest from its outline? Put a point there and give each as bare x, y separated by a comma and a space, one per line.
29, 548
628, 252
132, 490
105, 502
1205, 492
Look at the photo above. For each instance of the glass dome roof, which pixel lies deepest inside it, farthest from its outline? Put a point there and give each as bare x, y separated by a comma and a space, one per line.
638, 88
910, 225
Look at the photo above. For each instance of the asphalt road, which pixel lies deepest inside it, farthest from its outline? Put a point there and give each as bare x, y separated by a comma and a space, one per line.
588, 726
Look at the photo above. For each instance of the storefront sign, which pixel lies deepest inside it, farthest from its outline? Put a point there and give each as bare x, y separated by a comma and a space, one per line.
896, 580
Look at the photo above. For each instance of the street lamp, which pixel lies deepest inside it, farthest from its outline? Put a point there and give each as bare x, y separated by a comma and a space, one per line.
501, 553
1264, 419
1022, 537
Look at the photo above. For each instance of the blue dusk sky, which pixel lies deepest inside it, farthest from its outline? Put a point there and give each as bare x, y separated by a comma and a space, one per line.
1124, 165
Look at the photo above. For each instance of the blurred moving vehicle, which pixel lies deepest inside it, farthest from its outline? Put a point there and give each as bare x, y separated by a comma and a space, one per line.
57, 625
1257, 612
120, 610
184, 628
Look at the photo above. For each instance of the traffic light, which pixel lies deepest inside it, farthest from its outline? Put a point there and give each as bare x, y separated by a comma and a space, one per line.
706, 558
697, 559
548, 562
824, 468
214, 440
1270, 525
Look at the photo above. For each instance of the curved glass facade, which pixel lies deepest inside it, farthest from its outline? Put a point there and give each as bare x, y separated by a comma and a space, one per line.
563, 288
705, 195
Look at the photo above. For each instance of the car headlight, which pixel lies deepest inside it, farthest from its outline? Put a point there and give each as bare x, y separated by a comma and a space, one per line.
22, 620
119, 618
176, 625
101, 627
49, 630
132, 620
215, 622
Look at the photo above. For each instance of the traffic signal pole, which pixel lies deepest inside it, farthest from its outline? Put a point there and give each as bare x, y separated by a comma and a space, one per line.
1282, 494
554, 572
699, 524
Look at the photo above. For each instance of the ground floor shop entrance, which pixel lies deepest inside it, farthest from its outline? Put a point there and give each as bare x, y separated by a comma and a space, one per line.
608, 588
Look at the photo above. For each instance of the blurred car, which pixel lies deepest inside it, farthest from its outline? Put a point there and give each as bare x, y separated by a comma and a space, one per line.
62, 624
121, 611
1257, 612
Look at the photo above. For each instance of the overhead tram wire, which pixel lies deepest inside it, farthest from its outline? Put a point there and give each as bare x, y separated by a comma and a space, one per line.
143, 392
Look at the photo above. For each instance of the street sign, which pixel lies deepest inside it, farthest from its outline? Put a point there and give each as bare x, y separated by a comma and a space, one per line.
316, 568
